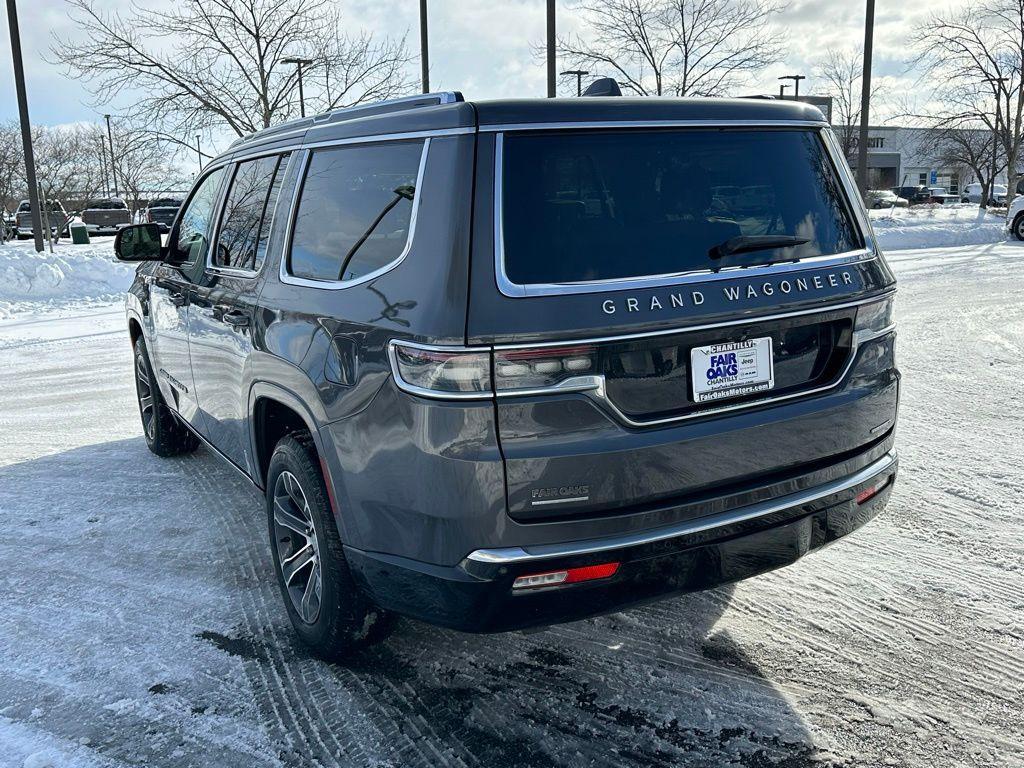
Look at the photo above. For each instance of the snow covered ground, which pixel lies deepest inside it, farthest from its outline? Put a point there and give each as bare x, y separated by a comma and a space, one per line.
72, 276
936, 226
142, 625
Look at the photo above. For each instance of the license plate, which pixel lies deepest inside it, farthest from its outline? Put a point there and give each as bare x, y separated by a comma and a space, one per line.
730, 370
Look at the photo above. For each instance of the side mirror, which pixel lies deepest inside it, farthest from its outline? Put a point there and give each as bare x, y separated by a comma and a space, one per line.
138, 242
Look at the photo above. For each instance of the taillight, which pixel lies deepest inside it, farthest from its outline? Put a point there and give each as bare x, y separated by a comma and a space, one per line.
440, 371
871, 491
875, 319
567, 576
544, 367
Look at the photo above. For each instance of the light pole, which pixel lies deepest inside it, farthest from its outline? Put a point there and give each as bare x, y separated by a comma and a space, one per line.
865, 99
579, 73
300, 63
199, 151
26, 127
782, 90
424, 53
110, 138
551, 48
997, 88
796, 83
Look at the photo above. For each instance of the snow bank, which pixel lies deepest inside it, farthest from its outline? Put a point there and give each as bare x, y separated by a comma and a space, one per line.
936, 227
72, 274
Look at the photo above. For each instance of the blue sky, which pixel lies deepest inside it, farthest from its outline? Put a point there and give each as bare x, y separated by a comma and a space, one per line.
480, 47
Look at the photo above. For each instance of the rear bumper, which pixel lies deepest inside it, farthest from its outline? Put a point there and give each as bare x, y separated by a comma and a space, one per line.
477, 594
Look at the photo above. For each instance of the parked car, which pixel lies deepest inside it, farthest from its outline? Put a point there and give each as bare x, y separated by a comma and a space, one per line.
57, 217
884, 198
943, 196
997, 195
106, 217
913, 195
162, 211
1015, 217
494, 367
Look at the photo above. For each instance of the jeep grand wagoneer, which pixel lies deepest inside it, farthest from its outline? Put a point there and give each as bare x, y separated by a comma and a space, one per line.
508, 363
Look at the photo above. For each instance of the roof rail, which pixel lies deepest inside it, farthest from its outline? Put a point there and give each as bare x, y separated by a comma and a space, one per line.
400, 104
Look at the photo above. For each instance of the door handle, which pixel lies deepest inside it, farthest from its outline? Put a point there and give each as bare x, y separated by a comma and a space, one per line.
178, 299
235, 318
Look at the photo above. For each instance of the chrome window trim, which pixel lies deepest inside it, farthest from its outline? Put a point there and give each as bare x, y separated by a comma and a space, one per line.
233, 271
368, 139
586, 124
333, 285
515, 290
511, 555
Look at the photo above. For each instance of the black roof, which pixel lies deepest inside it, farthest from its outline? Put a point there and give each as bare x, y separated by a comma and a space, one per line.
448, 110
641, 109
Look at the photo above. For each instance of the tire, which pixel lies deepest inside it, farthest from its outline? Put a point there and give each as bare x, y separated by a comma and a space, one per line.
340, 618
165, 434
1018, 226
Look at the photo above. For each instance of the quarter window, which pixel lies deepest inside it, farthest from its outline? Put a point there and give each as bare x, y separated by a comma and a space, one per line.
355, 210
193, 240
245, 225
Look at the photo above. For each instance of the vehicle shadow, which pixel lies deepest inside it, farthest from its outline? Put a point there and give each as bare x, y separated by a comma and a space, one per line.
183, 619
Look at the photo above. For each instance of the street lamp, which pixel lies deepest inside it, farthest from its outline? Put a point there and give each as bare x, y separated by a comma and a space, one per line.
110, 138
299, 63
579, 73
551, 48
26, 128
796, 83
424, 53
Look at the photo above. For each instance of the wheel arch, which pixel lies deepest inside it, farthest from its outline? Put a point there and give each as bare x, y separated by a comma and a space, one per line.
273, 413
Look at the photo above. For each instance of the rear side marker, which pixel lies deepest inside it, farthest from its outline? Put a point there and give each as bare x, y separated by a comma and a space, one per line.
568, 576
871, 491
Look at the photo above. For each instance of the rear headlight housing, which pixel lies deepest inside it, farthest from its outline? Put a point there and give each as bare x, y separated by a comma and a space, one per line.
449, 372
459, 372
516, 370
875, 319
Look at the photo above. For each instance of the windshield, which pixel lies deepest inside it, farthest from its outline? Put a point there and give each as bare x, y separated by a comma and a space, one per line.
581, 206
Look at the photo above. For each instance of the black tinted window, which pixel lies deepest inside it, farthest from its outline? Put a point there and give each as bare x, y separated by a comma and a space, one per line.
355, 210
610, 205
245, 223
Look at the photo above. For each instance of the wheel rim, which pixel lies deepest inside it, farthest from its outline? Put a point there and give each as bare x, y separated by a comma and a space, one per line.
1020, 227
147, 405
297, 552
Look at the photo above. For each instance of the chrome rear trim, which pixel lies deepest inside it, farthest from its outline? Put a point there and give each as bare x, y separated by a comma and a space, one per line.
511, 555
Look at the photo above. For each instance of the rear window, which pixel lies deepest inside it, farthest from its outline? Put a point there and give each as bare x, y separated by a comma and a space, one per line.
107, 205
355, 210
582, 206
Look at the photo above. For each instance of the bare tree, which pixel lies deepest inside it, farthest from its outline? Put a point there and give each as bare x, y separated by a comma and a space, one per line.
839, 75
216, 64
11, 166
967, 149
973, 57
144, 163
679, 47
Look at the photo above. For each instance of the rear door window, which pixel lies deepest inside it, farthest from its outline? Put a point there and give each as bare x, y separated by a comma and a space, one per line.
245, 223
609, 205
355, 211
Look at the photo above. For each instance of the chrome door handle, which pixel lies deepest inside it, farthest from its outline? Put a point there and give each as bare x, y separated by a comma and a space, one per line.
235, 318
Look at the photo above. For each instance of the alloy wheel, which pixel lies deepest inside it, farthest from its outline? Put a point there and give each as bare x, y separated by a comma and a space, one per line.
297, 551
147, 404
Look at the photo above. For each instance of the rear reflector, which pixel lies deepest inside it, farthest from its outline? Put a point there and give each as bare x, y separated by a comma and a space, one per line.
568, 576
871, 491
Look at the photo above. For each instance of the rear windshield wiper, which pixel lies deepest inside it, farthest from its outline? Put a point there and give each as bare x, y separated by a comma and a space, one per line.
748, 243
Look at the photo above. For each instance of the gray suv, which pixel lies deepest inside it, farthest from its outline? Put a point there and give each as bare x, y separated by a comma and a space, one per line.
509, 363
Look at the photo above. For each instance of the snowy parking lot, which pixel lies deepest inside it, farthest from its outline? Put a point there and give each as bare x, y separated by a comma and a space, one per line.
142, 624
